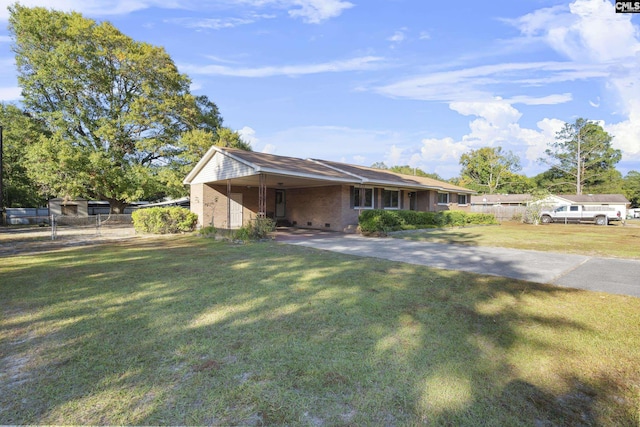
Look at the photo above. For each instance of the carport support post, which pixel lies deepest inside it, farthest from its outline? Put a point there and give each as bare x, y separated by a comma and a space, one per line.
262, 197
228, 204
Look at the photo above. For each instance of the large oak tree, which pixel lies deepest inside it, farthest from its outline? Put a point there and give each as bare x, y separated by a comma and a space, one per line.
123, 123
19, 132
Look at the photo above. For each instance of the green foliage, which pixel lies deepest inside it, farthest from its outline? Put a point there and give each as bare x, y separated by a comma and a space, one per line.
229, 138
384, 221
257, 229
581, 155
209, 230
116, 113
408, 170
534, 209
632, 188
20, 131
488, 169
159, 220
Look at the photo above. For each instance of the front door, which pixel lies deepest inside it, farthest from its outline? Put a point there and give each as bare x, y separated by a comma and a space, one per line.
280, 204
235, 210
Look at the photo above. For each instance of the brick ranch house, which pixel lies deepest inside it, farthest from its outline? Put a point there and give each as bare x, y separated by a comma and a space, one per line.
230, 187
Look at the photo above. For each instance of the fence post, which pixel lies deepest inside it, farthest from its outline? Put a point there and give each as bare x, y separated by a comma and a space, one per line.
53, 227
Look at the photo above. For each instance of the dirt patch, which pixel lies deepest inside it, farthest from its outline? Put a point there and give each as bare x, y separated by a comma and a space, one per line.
24, 240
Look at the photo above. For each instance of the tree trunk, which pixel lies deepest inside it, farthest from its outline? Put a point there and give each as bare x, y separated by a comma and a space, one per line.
117, 206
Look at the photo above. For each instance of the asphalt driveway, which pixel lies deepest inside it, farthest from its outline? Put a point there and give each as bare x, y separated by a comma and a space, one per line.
612, 275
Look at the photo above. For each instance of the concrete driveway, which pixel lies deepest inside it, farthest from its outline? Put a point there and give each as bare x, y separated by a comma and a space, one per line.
612, 275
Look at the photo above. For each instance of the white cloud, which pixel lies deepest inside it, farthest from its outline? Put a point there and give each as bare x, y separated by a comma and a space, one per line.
215, 23
591, 31
585, 30
92, 7
397, 37
354, 64
310, 11
479, 83
316, 11
627, 137
498, 113
598, 44
248, 135
268, 149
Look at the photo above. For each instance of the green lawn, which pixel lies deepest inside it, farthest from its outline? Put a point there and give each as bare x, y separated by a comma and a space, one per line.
187, 330
588, 239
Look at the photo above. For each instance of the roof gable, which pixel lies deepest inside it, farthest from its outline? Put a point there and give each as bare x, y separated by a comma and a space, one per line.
221, 167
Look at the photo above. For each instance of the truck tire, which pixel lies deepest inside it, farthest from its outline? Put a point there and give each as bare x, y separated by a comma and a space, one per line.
545, 219
601, 220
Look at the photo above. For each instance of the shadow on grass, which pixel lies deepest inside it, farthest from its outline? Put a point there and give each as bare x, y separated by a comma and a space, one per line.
191, 331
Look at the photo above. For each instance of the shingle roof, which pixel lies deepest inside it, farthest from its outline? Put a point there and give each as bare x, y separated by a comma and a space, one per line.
386, 176
319, 169
272, 162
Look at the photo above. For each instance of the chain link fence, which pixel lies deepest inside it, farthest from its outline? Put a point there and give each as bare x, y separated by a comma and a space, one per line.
61, 231
96, 226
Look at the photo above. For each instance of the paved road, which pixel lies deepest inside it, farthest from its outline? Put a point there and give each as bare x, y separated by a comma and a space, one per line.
612, 275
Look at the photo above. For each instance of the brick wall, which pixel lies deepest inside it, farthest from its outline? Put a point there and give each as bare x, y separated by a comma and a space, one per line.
326, 208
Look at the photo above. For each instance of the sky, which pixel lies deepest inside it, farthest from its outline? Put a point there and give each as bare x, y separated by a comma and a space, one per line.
404, 82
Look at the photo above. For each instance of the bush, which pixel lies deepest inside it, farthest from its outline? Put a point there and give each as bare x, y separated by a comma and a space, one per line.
376, 221
384, 221
208, 231
257, 229
169, 220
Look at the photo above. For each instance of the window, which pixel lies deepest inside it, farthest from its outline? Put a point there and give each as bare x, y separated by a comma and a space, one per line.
363, 198
390, 199
462, 199
443, 198
573, 208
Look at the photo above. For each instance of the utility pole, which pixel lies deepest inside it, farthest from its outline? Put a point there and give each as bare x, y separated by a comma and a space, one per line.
579, 164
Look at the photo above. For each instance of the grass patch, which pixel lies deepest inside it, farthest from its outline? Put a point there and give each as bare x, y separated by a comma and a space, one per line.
612, 241
188, 330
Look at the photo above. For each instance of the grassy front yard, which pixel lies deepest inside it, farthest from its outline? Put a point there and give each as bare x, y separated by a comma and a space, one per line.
612, 241
187, 330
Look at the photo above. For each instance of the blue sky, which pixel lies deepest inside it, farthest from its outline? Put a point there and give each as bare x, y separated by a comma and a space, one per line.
400, 81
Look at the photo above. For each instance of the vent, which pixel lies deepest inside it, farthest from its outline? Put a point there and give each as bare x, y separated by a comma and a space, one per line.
309, 224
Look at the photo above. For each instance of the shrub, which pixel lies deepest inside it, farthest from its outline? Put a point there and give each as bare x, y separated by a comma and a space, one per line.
169, 220
208, 231
379, 221
384, 221
257, 229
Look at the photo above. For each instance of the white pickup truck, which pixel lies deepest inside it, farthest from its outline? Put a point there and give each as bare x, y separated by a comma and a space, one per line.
600, 215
